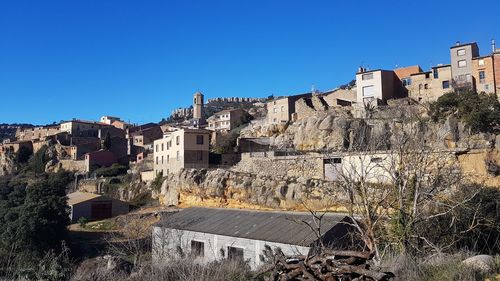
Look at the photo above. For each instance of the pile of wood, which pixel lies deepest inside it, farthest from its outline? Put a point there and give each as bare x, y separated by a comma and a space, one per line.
330, 265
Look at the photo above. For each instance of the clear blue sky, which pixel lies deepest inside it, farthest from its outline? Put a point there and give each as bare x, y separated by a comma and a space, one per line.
140, 59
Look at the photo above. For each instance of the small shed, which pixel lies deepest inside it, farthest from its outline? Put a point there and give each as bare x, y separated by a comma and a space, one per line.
210, 234
95, 206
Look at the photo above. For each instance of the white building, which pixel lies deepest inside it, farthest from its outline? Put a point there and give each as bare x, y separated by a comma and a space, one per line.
210, 234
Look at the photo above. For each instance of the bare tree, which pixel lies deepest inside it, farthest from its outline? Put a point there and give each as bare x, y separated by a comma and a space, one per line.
398, 186
133, 240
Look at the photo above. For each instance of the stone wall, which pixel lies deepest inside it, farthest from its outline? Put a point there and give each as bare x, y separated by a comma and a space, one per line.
72, 165
309, 166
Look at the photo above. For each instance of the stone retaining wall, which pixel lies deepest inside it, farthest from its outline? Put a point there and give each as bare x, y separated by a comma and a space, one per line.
309, 166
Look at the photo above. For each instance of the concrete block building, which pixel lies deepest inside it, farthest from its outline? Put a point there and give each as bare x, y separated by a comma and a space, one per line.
179, 149
215, 234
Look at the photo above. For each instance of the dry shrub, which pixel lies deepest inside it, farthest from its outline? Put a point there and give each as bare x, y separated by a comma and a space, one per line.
181, 270
441, 267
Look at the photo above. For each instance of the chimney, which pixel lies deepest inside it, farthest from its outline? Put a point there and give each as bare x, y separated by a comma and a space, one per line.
361, 69
457, 43
493, 46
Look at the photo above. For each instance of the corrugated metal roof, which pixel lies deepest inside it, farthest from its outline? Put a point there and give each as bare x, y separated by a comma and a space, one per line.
79, 197
280, 227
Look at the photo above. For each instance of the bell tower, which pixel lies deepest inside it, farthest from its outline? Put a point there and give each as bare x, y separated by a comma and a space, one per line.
198, 108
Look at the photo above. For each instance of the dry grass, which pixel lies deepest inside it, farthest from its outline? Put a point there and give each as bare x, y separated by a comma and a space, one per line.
181, 270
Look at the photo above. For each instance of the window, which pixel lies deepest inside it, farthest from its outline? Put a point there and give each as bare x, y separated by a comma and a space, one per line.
275, 109
333, 161
162, 147
156, 160
162, 159
168, 158
199, 139
435, 73
426, 86
406, 81
275, 120
486, 87
462, 63
199, 155
446, 84
468, 77
156, 148
282, 108
376, 160
367, 76
368, 91
480, 62
482, 76
177, 140
178, 156
197, 248
234, 253
427, 75
461, 52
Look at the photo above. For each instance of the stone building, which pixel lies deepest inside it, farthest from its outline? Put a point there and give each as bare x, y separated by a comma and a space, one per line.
280, 110
37, 133
15, 146
225, 120
82, 128
467, 70
340, 97
184, 148
141, 137
198, 110
428, 86
214, 234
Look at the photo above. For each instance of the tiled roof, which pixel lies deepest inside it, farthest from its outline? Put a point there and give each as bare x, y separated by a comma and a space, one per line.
279, 227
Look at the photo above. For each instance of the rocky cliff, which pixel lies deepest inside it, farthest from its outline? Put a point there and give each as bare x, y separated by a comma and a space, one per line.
339, 131
223, 188
7, 164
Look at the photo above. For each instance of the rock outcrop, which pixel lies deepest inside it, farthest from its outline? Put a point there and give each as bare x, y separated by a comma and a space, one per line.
7, 164
339, 131
235, 189
484, 263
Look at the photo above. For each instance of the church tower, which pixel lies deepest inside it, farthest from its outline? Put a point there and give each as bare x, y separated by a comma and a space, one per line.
198, 108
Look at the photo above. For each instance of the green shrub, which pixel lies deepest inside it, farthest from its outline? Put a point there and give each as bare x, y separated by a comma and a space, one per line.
473, 225
157, 182
480, 112
39, 160
113, 171
82, 221
23, 154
